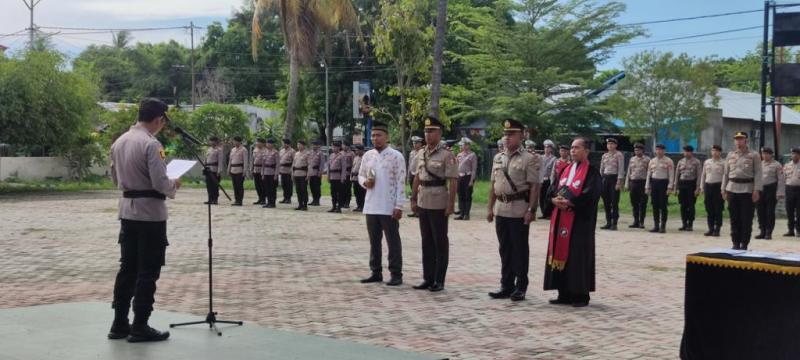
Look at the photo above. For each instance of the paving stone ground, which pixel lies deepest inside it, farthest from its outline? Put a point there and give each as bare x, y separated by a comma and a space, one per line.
299, 271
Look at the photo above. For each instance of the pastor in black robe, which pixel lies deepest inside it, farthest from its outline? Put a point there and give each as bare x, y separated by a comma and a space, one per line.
577, 279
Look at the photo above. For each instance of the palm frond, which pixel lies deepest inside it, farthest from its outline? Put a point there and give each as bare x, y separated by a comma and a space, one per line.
262, 7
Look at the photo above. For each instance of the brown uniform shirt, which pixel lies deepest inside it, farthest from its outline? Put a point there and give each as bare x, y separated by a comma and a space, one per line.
258, 158
300, 163
315, 163
237, 160
523, 171
637, 169
412, 162
215, 158
356, 168
286, 156
347, 163
661, 169
335, 166
744, 166
689, 169
137, 163
712, 172
442, 164
269, 163
613, 164
773, 174
467, 164
791, 172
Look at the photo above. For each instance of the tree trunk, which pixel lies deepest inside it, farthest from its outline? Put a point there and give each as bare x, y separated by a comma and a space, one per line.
291, 97
438, 54
401, 88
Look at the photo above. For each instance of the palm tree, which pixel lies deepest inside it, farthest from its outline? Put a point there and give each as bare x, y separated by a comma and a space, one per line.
121, 39
302, 22
438, 54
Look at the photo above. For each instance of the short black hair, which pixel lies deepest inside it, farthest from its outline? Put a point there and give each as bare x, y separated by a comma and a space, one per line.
261, 140
587, 143
150, 109
213, 138
237, 138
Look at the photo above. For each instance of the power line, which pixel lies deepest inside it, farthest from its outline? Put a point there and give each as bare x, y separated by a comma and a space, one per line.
692, 42
694, 17
693, 36
117, 29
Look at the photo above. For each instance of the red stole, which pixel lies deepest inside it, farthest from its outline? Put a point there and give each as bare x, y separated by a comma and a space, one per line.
562, 220
560, 165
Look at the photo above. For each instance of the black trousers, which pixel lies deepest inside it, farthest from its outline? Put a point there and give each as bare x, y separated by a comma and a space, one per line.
512, 234
335, 193
377, 227
766, 208
544, 202
793, 208
270, 188
464, 195
238, 187
658, 189
638, 200
301, 185
142, 247
359, 192
286, 185
315, 183
259, 183
687, 200
715, 204
610, 198
212, 188
346, 193
741, 209
435, 244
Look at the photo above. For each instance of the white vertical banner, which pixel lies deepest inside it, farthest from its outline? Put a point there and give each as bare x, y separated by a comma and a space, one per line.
360, 89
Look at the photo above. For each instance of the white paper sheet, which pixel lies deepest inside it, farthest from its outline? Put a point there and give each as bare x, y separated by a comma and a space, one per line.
723, 251
176, 168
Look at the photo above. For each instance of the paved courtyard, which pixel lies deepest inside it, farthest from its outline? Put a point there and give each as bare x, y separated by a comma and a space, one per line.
299, 271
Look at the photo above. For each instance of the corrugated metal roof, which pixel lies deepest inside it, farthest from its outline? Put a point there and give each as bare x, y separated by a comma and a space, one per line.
744, 105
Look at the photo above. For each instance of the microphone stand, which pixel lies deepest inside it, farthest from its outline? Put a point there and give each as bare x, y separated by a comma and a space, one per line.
211, 317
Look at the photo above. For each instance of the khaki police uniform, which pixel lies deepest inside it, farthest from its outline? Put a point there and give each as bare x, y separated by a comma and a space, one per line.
300, 174
660, 179
358, 191
612, 168
791, 172
335, 170
269, 173
285, 171
258, 181
688, 177
316, 163
237, 163
215, 159
635, 183
741, 177
467, 170
711, 183
774, 183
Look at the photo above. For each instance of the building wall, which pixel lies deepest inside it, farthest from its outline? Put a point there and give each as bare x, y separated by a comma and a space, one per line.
38, 168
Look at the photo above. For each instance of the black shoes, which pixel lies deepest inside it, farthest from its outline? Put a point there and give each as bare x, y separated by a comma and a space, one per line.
580, 304
395, 281
560, 301
436, 287
760, 236
613, 227
144, 333
709, 233
372, 279
210, 202
501, 294
335, 210
314, 203
790, 233
269, 206
301, 208
236, 204
358, 209
465, 217
284, 201
258, 203
422, 286
518, 295
119, 330
412, 215
606, 226
655, 230
459, 217
634, 226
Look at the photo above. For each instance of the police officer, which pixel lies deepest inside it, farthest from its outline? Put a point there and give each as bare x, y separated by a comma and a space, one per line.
300, 174
269, 173
316, 163
512, 203
412, 164
433, 199
612, 167
563, 161
687, 176
214, 160
711, 185
335, 171
257, 157
772, 174
467, 171
237, 163
548, 162
138, 169
635, 183
285, 170
791, 172
660, 177
741, 187
346, 193
358, 191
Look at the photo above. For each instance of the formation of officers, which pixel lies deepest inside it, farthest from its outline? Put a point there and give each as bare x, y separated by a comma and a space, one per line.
747, 180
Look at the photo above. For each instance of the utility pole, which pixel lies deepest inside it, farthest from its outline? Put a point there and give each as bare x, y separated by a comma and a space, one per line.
328, 129
31, 28
765, 61
191, 31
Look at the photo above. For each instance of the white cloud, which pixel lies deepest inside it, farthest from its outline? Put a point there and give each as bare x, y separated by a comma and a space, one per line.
159, 9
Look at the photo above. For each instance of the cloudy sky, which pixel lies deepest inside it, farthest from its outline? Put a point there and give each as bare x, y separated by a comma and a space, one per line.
166, 13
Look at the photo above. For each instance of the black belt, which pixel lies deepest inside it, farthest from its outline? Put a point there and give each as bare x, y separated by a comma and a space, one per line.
432, 183
638, 179
347, 169
270, 166
522, 195
212, 164
286, 164
610, 175
256, 166
135, 194
742, 181
237, 165
315, 167
300, 168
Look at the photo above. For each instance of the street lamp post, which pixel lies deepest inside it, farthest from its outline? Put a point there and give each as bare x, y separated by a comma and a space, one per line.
328, 129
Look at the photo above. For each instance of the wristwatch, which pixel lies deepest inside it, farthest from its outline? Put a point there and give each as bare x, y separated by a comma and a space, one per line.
530, 210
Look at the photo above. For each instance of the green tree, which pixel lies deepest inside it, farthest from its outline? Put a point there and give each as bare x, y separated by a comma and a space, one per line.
301, 22
224, 121
664, 91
